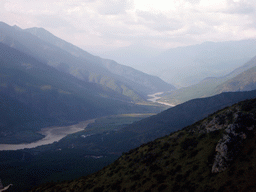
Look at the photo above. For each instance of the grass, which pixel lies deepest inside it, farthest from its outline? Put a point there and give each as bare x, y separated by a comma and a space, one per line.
64, 160
181, 161
114, 122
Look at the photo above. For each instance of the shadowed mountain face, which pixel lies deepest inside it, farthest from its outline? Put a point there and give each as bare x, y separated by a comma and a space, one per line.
65, 57
176, 118
214, 154
35, 95
141, 82
165, 122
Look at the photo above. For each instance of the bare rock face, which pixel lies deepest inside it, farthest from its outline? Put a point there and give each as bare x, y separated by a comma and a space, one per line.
236, 126
2, 188
227, 148
230, 143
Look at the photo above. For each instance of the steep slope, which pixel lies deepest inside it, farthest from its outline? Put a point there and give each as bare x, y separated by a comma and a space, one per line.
19, 122
137, 80
209, 86
151, 128
185, 66
73, 60
85, 70
35, 95
176, 118
214, 154
140, 81
245, 81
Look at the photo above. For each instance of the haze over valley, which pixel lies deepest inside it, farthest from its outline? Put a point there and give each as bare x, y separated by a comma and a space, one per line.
127, 95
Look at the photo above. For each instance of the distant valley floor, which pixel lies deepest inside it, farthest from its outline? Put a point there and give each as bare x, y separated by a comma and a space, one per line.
155, 99
52, 134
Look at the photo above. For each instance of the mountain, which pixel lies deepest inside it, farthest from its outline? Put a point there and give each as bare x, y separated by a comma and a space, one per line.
185, 66
176, 118
155, 126
136, 55
141, 82
214, 85
87, 151
66, 57
35, 95
245, 81
214, 154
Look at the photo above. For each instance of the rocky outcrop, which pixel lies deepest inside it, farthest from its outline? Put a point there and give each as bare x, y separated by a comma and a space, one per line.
229, 145
5, 188
236, 125
2, 188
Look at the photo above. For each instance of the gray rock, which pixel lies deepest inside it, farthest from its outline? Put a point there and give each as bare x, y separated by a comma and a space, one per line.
228, 147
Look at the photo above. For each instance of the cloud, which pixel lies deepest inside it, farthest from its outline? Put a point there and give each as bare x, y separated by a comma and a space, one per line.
114, 7
123, 22
52, 21
158, 21
193, 1
240, 7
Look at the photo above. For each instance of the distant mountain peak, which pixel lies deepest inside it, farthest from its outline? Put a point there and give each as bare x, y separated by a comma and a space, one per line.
17, 27
38, 30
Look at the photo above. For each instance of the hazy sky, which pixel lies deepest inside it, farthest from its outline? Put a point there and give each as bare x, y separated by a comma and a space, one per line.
117, 23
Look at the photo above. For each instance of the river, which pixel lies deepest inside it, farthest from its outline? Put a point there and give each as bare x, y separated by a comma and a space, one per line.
52, 134
156, 96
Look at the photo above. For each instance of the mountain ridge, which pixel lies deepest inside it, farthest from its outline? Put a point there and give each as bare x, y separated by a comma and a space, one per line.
128, 72
211, 85
86, 67
196, 62
214, 154
53, 97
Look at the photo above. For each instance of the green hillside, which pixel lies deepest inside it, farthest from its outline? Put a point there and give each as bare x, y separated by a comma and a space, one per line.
175, 118
214, 154
245, 81
76, 155
148, 129
241, 79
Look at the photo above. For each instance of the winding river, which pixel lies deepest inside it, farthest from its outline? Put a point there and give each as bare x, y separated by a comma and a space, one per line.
156, 96
52, 134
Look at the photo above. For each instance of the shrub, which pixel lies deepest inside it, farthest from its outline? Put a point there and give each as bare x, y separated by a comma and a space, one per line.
165, 146
153, 168
178, 178
98, 189
178, 168
195, 167
193, 153
188, 142
162, 187
160, 178
135, 177
116, 185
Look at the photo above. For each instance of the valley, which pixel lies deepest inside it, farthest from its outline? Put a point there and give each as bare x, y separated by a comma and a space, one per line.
155, 99
51, 135
66, 114
216, 153
76, 154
